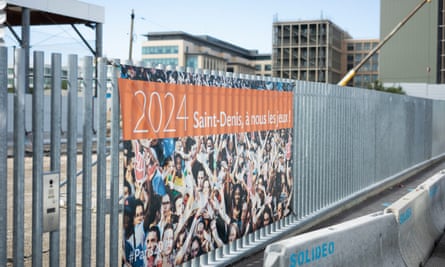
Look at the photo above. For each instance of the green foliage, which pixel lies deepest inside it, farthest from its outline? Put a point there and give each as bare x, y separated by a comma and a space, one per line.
378, 86
64, 84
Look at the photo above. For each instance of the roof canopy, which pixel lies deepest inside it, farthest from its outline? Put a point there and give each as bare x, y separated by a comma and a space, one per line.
51, 12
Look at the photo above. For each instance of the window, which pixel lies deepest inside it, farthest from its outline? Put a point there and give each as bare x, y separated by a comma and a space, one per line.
366, 66
192, 61
366, 46
163, 61
258, 67
268, 67
156, 50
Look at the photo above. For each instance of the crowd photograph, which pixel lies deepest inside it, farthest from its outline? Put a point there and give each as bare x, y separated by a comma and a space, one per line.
186, 196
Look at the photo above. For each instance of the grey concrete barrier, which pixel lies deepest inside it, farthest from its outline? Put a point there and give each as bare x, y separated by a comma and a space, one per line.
370, 240
435, 186
416, 233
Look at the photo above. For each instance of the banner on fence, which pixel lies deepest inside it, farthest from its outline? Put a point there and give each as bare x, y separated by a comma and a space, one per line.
205, 163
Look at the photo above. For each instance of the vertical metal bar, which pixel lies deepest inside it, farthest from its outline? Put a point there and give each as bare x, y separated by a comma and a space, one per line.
19, 154
302, 150
101, 161
338, 114
115, 138
296, 148
87, 144
25, 44
37, 159
56, 118
324, 171
99, 43
369, 137
306, 147
340, 127
295, 155
334, 140
344, 158
356, 152
365, 140
376, 136
3, 154
318, 146
311, 175
348, 142
313, 147
328, 148
345, 148
71, 161
337, 159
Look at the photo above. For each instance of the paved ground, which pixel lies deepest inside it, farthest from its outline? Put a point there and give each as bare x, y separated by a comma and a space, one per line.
374, 204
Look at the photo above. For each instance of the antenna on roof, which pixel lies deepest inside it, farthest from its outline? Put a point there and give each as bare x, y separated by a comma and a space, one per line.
131, 35
275, 17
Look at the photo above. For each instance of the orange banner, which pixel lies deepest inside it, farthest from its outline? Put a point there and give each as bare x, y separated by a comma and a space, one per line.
163, 110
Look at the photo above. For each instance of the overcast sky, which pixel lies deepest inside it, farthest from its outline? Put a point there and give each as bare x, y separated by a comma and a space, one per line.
245, 23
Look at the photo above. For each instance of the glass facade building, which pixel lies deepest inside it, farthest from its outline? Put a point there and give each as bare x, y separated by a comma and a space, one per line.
356, 51
179, 49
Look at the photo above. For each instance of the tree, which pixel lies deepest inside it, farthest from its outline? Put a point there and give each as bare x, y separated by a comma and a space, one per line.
378, 86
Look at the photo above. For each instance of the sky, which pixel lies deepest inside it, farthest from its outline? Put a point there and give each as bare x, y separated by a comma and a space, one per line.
245, 23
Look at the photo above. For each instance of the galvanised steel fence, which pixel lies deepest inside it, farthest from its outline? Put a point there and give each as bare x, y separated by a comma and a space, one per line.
348, 142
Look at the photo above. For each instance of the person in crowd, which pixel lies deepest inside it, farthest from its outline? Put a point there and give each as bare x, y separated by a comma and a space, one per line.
166, 212
135, 235
234, 232
246, 218
167, 249
196, 248
178, 209
152, 253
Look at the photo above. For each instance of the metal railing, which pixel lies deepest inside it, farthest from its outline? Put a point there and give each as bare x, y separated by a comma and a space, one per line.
347, 141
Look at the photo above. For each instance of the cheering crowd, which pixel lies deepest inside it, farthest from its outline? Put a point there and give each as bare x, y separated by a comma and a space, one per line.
202, 78
187, 196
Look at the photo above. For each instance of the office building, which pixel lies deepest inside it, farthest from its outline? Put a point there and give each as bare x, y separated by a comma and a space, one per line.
415, 54
202, 52
317, 51
308, 50
356, 51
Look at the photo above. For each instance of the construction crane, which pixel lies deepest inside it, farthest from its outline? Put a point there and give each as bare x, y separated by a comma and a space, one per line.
354, 70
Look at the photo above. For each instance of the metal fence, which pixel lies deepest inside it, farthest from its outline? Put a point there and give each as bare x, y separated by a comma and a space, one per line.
347, 142
87, 176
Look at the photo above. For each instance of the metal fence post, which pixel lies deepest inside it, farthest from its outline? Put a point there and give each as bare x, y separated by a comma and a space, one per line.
3, 154
37, 159
72, 161
56, 118
19, 154
87, 145
101, 160
115, 139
